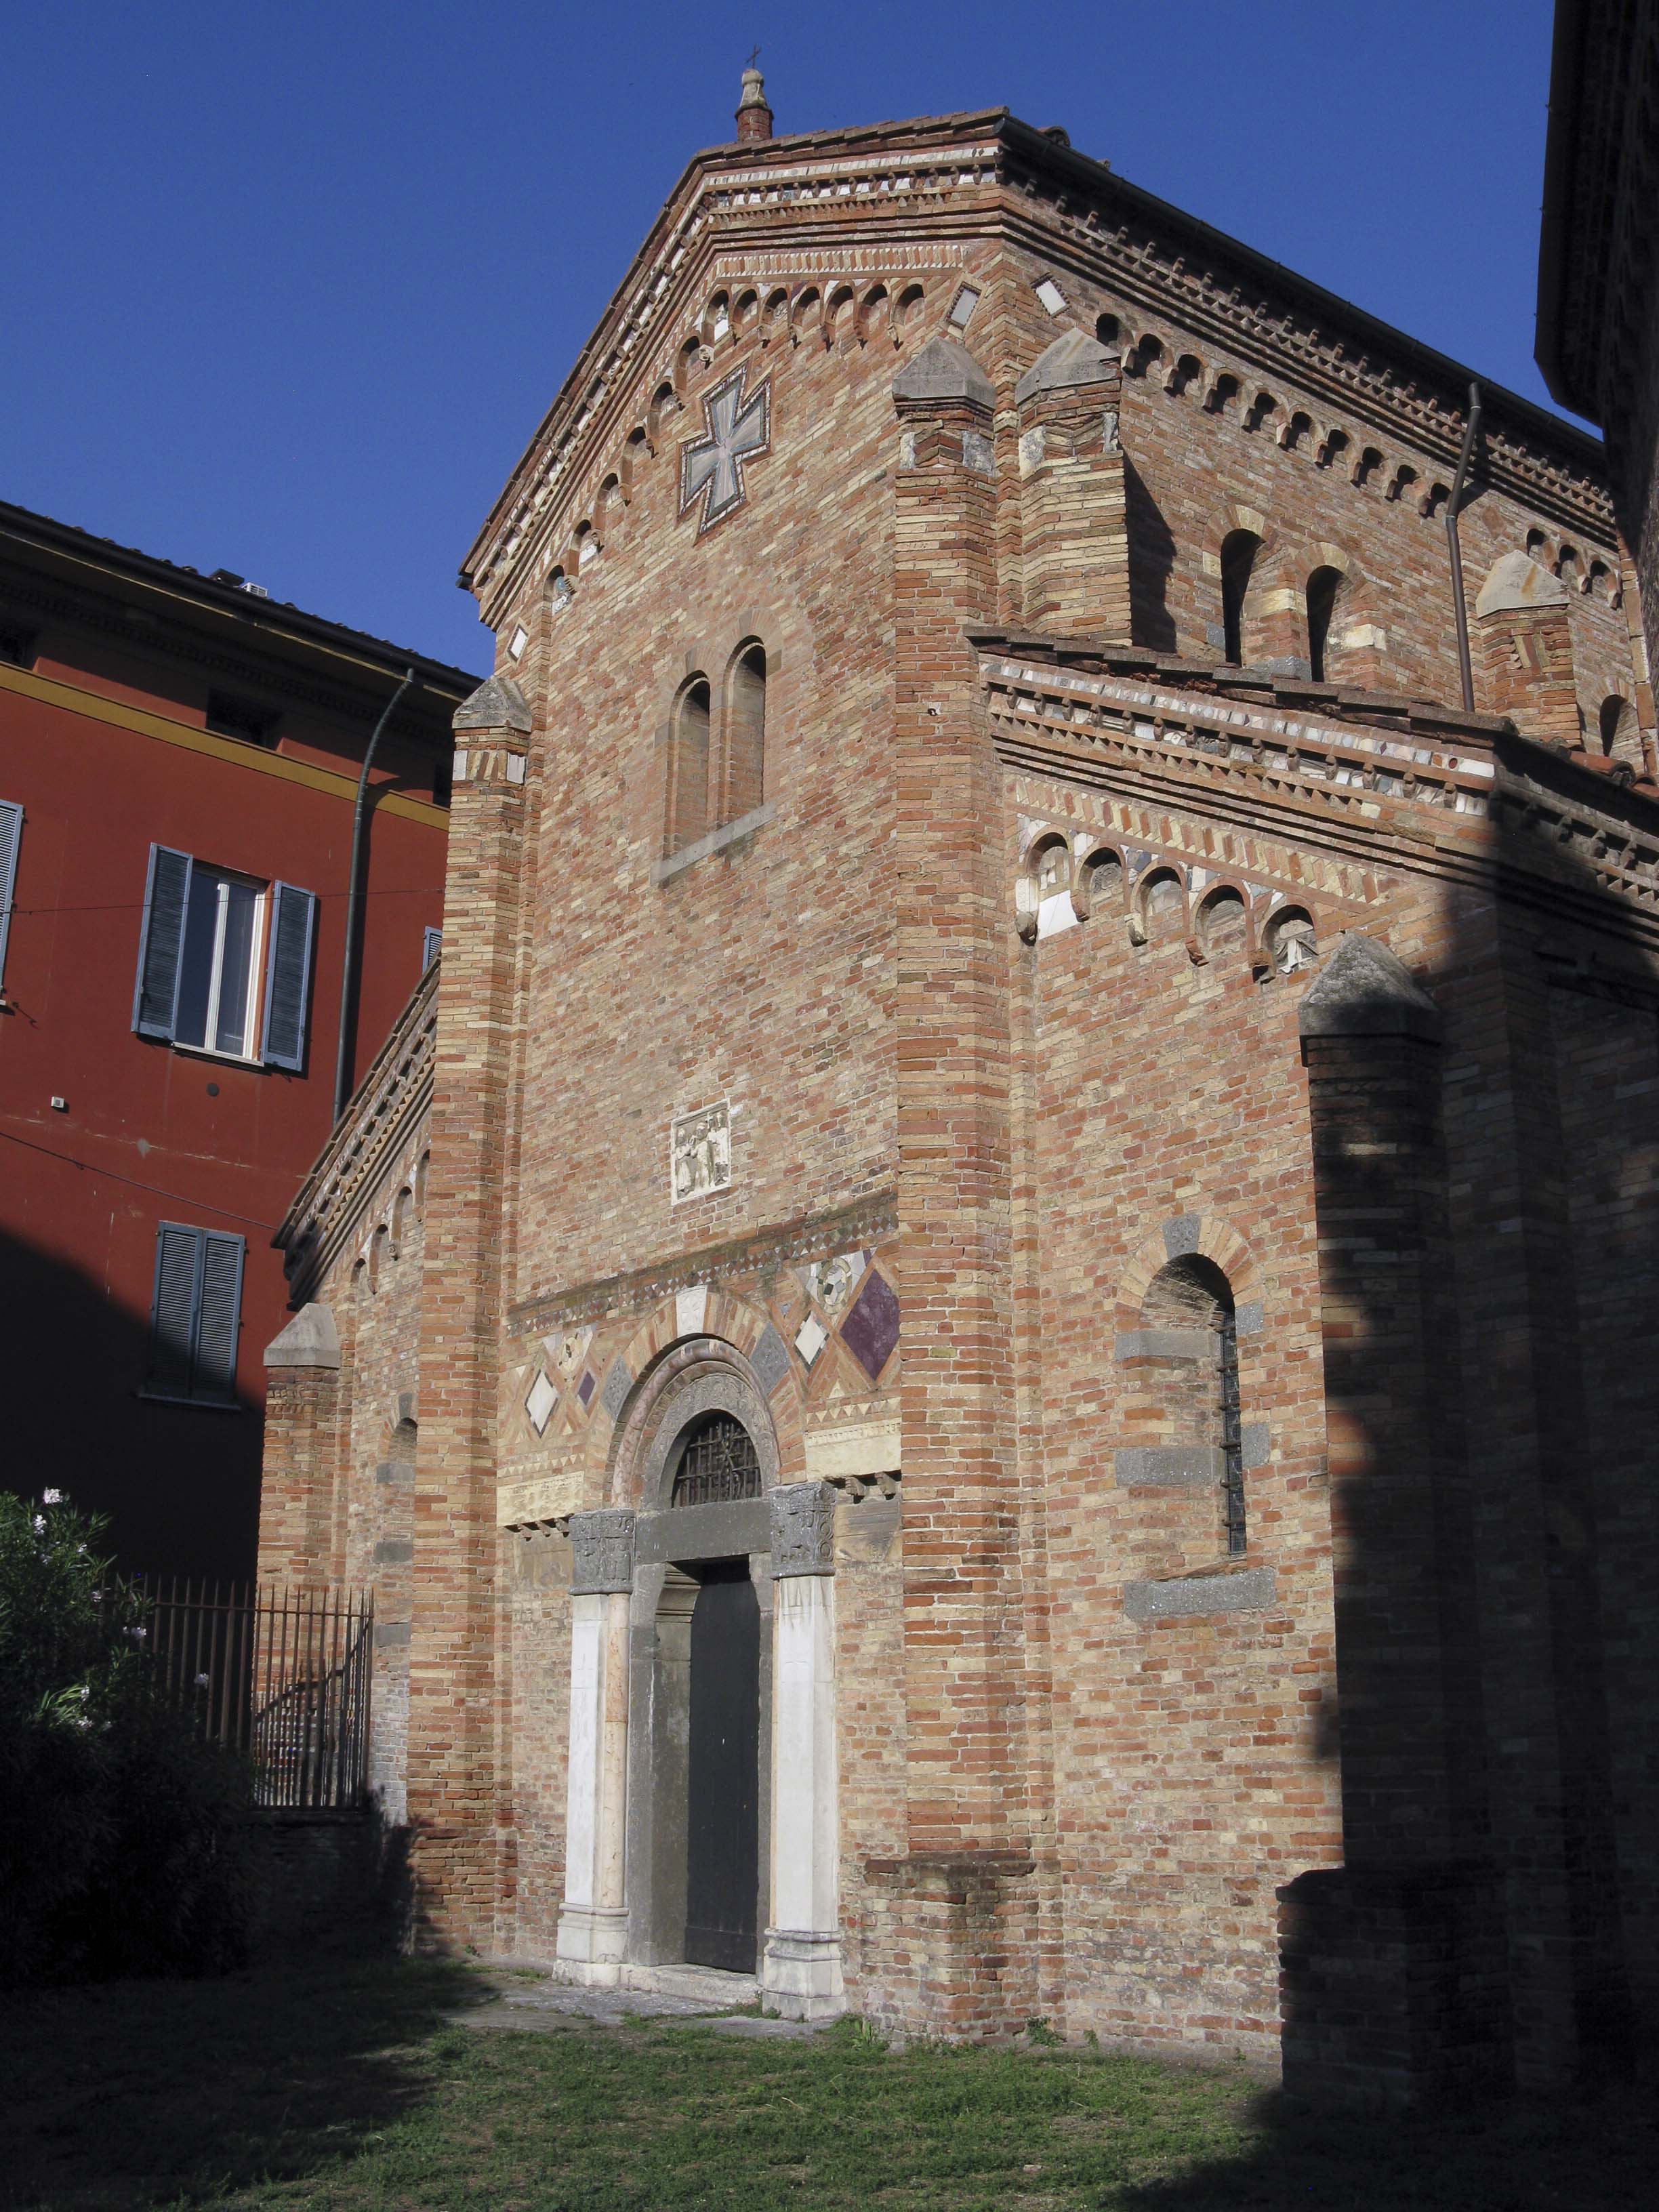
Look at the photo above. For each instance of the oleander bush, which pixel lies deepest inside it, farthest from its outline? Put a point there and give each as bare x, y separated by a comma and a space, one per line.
122, 1848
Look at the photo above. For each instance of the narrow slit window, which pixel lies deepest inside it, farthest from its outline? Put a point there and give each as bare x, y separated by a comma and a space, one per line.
1232, 1434
1238, 551
745, 734
688, 771
1322, 587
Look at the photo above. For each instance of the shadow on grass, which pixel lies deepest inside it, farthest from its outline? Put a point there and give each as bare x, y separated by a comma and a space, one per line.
136, 2093
1483, 2155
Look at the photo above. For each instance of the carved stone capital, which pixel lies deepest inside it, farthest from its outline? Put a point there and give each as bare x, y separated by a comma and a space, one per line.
803, 1529
602, 1547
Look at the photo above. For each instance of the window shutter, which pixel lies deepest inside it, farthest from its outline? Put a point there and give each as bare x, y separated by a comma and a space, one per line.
173, 1315
166, 894
431, 945
288, 976
218, 1310
11, 832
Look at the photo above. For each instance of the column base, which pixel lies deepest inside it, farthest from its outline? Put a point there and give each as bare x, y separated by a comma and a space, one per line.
800, 1974
593, 1939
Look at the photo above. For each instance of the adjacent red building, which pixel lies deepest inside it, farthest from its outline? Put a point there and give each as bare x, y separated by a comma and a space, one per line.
180, 758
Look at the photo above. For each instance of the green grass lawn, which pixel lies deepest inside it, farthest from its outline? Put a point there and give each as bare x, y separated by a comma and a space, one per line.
349, 2083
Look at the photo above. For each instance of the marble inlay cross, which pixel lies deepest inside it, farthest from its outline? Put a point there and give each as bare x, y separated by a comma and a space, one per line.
739, 430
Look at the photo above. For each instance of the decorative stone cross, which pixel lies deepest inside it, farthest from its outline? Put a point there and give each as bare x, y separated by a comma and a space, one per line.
739, 430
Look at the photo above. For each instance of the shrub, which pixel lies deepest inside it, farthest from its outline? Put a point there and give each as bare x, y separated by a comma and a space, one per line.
121, 1847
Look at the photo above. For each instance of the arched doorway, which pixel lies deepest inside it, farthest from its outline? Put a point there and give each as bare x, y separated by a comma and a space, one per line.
722, 1792
702, 1807
714, 1462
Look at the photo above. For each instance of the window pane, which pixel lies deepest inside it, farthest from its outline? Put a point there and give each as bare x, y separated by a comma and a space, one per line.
196, 977
233, 991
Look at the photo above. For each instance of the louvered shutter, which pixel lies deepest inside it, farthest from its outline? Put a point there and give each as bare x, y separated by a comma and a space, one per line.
288, 976
166, 894
173, 1314
431, 945
218, 1310
11, 832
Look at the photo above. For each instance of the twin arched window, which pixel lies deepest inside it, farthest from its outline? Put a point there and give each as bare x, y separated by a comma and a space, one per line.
717, 751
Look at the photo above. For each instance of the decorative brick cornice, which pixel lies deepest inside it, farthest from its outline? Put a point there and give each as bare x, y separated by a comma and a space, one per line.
1317, 764
804, 200
374, 1135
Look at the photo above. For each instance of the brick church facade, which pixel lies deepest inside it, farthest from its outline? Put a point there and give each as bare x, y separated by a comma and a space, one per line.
988, 1333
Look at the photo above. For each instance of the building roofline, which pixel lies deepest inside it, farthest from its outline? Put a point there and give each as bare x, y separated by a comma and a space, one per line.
1099, 178
277, 619
1566, 83
1415, 351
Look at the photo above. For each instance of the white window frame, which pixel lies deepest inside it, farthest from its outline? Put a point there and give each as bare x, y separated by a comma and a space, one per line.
226, 877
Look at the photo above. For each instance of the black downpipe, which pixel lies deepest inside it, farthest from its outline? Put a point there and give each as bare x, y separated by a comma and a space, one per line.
349, 969
1472, 430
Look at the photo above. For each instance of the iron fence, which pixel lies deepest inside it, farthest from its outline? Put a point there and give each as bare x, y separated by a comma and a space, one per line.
283, 1676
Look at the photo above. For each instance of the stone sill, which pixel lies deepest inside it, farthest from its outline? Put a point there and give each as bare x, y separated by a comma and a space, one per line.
663, 871
1249, 1590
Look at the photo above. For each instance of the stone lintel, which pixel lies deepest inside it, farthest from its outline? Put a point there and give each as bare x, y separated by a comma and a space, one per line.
738, 1528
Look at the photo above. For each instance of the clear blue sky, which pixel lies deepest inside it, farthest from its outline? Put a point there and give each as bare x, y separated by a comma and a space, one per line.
285, 287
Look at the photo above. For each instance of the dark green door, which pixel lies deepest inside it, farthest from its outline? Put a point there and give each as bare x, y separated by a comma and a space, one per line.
723, 1785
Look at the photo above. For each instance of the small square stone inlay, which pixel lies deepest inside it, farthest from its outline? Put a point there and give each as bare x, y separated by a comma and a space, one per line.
586, 1388
811, 1338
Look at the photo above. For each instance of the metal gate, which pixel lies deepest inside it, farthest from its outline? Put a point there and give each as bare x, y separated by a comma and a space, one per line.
283, 1676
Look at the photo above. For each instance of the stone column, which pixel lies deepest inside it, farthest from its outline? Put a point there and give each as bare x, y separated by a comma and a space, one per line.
800, 1972
457, 1812
594, 1921
302, 1449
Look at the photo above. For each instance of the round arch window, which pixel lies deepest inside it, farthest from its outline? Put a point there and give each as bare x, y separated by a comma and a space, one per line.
717, 1463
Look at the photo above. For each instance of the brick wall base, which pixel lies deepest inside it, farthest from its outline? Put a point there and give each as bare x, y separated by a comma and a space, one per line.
956, 1932
329, 1878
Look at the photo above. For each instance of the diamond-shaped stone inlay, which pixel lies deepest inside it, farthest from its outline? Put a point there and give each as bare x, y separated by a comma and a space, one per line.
586, 1389
872, 1329
541, 1402
739, 430
770, 1359
811, 1338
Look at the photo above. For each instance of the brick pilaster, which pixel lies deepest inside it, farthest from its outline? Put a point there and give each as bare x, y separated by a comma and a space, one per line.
303, 1412
963, 1896
1075, 533
452, 1792
1381, 1987
1534, 1516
